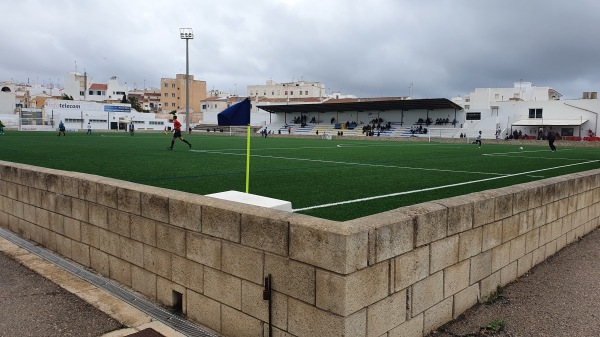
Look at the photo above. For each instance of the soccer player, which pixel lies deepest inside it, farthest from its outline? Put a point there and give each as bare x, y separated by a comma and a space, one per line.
478, 139
61, 129
89, 127
177, 134
551, 138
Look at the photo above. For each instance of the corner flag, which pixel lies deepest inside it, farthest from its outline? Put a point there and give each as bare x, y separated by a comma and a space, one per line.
236, 115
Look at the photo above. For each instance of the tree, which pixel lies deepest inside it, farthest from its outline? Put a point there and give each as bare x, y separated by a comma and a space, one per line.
124, 100
67, 97
134, 103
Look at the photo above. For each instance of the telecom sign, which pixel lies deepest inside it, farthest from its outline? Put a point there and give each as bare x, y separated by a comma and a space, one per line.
117, 108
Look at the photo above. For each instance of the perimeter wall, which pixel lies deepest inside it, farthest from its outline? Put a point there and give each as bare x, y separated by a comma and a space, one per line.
399, 273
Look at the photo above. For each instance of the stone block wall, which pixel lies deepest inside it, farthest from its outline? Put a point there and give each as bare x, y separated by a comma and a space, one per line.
399, 273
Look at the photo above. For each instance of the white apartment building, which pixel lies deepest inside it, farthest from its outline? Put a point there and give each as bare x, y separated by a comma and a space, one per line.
296, 89
82, 88
483, 98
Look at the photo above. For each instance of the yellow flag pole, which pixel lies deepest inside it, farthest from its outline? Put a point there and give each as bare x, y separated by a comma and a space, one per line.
248, 160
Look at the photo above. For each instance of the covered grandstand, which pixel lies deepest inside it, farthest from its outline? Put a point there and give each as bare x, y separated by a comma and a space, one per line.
398, 116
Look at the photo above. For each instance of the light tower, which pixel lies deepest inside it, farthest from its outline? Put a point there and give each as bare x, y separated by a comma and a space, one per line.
187, 34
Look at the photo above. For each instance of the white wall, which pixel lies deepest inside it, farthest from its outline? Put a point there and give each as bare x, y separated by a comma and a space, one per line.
72, 85
7, 102
511, 112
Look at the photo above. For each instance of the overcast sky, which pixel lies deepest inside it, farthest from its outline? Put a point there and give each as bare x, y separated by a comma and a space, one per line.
367, 48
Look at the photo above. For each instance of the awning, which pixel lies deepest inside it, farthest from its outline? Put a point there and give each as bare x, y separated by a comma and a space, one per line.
549, 122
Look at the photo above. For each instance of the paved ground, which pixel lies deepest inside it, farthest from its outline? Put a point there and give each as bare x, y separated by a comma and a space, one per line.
559, 297
31, 305
38, 298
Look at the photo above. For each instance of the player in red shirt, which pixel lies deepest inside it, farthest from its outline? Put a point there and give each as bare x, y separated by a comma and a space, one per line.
177, 134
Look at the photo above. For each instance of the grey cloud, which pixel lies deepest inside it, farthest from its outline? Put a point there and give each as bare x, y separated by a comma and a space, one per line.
367, 48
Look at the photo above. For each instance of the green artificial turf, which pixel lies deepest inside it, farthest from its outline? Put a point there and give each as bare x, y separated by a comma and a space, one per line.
307, 172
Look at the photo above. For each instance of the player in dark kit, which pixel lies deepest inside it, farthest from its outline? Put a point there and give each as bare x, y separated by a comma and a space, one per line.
177, 134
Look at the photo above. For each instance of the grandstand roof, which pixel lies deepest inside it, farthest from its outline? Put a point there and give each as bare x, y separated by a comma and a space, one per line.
366, 105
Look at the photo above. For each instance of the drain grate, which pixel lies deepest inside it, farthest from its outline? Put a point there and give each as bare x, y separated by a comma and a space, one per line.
151, 309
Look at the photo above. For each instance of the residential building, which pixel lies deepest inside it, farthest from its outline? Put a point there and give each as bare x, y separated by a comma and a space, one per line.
290, 90
82, 88
173, 93
483, 98
149, 99
76, 85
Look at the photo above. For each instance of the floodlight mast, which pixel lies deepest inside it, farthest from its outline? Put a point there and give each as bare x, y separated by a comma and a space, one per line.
187, 34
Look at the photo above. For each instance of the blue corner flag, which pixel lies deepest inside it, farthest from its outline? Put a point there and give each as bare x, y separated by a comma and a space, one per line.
236, 115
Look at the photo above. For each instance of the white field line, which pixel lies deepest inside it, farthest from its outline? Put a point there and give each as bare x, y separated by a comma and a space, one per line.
316, 147
437, 187
510, 154
351, 163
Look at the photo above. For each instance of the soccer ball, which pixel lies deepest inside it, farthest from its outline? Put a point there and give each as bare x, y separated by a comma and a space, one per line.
521, 148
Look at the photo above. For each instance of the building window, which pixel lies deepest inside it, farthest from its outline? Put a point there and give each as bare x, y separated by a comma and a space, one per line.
173, 104
497, 96
166, 94
467, 107
286, 93
566, 132
272, 93
300, 92
91, 92
81, 93
166, 85
473, 116
535, 113
306, 92
98, 92
292, 93
173, 85
173, 95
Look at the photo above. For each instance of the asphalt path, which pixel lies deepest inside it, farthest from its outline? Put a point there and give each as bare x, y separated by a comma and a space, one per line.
31, 305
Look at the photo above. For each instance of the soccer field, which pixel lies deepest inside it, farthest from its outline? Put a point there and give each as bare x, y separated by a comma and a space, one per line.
332, 179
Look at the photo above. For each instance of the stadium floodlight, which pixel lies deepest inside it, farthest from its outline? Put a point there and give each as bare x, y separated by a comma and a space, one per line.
187, 34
